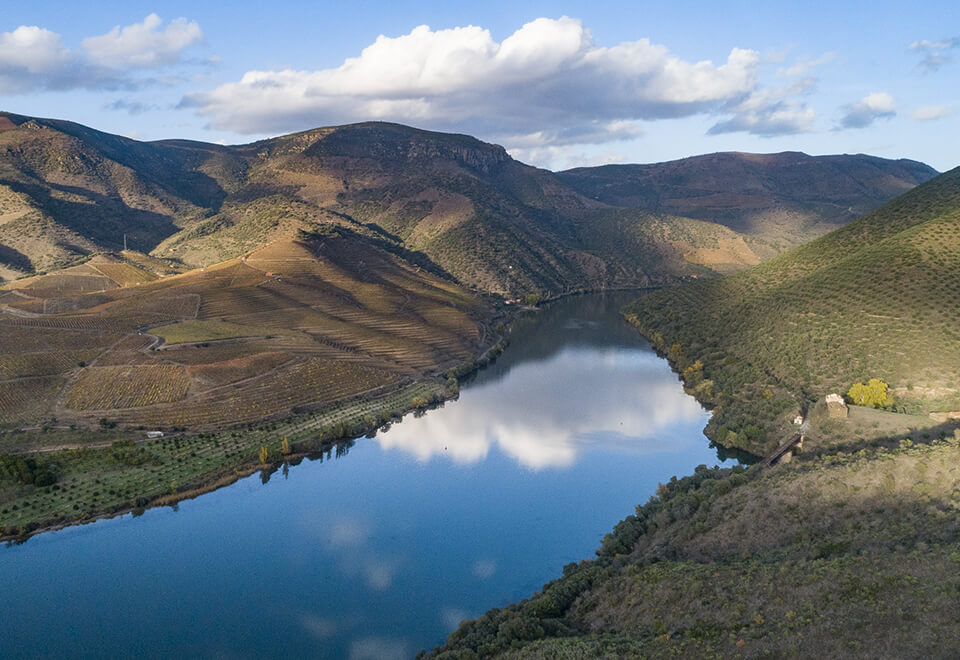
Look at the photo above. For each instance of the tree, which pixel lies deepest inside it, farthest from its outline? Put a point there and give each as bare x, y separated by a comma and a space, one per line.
873, 393
532, 299
285, 447
264, 454
693, 374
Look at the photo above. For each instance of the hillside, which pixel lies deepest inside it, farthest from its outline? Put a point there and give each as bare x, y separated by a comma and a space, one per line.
472, 211
67, 190
293, 324
488, 220
786, 198
875, 299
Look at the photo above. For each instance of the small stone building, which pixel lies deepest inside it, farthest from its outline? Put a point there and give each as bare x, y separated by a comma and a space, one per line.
836, 406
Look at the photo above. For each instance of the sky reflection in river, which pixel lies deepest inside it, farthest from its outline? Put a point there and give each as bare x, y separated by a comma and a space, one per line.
385, 549
545, 414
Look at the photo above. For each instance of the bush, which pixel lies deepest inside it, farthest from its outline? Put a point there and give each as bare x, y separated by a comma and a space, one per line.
874, 394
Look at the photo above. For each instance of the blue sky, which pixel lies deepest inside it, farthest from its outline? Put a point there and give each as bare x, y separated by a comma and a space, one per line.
560, 84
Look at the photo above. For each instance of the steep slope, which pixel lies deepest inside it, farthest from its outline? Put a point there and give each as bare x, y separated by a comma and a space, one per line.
467, 207
785, 198
67, 190
293, 323
492, 222
877, 298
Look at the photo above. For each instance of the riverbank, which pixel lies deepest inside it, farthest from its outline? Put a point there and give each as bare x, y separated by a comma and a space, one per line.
110, 472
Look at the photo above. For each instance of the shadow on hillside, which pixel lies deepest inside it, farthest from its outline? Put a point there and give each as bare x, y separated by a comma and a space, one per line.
923, 436
102, 218
15, 259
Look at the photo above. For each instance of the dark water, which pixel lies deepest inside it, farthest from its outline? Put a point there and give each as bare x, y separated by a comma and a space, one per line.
383, 551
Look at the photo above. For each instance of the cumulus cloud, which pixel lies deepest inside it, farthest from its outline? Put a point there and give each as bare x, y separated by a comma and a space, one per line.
874, 106
931, 112
770, 112
935, 53
547, 82
36, 59
143, 45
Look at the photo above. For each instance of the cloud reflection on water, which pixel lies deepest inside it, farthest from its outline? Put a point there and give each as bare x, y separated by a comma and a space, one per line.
544, 414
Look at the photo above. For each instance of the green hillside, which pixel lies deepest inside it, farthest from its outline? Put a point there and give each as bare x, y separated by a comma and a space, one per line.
879, 298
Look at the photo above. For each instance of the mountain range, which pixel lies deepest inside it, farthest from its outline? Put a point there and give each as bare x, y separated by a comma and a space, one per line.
462, 206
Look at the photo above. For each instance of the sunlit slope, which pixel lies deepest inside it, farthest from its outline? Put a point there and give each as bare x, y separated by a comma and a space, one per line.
299, 321
878, 298
450, 203
67, 190
490, 221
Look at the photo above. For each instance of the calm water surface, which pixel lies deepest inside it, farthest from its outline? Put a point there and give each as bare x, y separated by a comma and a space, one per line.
383, 551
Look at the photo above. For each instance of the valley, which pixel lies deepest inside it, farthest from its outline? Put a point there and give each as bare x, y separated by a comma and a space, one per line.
176, 317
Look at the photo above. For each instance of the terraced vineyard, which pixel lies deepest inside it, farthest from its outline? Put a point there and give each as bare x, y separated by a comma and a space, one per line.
879, 298
296, 323
106, 388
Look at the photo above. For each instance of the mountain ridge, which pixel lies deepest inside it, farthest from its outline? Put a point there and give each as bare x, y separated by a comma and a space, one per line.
491, 222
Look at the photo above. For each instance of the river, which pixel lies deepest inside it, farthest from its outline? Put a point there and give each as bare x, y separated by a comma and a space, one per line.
382, 551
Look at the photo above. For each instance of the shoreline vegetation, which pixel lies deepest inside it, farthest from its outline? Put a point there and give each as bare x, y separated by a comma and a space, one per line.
128, 474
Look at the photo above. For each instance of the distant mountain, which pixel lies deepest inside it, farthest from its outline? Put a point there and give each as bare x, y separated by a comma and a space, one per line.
879, 298
466, 207
786, 198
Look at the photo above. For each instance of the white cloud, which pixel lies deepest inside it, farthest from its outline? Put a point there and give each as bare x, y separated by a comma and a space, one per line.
319, 627
548, 79
32, 49
934, 53
931, 112
565, 157
770, 112
873, 106
452, 616
484, 569
36, 59
943, 44
31, 57
143, 45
